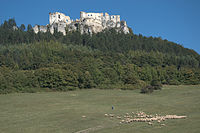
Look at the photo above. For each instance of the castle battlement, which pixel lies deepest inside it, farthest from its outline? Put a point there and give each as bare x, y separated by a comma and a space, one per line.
99, 16
88, 23
84, 15
58, 17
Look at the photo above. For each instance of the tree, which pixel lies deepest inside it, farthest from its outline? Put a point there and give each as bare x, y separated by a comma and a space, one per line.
22, 27
11, 23
5, 25
156, 84
29, 27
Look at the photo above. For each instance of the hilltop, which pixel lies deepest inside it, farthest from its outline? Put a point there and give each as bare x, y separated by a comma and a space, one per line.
88, 23
31, 62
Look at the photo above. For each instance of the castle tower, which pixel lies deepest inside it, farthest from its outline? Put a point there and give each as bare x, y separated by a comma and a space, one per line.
118, 18
58, 17
83, 15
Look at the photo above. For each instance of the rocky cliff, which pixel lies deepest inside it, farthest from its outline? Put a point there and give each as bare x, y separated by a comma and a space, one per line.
88, 23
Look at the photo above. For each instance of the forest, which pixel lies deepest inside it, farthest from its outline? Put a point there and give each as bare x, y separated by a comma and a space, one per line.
32, 62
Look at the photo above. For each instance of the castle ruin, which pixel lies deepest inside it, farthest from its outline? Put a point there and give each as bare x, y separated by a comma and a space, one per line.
88, 23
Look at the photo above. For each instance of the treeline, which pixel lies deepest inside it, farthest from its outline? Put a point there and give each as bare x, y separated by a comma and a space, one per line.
106, 60
57, 66
109, 41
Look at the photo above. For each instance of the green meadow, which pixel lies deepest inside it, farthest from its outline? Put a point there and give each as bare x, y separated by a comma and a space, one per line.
83, 111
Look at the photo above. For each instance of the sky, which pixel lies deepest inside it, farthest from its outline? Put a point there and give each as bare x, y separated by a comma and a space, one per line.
174, 20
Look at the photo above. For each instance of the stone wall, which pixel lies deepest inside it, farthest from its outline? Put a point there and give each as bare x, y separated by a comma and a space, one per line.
40, 28
97, 16
88, 23
58, 17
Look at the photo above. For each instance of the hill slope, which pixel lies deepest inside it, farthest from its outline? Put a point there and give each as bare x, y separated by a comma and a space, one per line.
104, 60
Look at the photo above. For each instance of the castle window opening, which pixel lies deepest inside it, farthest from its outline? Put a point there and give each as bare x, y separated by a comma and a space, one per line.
58, 16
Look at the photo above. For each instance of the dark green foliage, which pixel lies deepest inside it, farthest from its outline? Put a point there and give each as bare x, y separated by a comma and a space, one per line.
156, 84
29, 28
107, 60
147, 89
54, 78
22, 27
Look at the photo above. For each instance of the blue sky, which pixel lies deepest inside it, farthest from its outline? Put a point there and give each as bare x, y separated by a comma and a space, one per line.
174, 20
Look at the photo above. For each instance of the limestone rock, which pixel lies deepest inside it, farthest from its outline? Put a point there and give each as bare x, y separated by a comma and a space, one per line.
88, 23
40, 28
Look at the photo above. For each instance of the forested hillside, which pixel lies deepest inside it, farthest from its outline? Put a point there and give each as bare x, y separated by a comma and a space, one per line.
32, 62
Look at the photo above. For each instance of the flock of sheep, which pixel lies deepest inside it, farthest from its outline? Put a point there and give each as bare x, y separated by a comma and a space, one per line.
143, 117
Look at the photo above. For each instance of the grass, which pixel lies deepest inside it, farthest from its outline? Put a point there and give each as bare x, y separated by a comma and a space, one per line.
61, 112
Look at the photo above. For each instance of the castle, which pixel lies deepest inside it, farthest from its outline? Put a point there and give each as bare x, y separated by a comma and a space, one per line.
88, 23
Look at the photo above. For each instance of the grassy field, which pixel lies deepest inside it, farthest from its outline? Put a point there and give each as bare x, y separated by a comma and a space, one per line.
61, 112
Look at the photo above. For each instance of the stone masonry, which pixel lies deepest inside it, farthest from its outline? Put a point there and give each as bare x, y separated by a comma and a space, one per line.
88, 23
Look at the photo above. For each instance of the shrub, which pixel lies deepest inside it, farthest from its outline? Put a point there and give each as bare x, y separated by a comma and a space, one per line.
140, 84
156, 84
173, 82
147, 89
